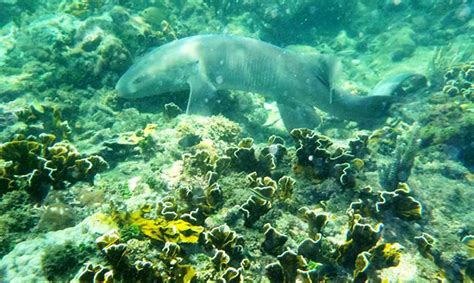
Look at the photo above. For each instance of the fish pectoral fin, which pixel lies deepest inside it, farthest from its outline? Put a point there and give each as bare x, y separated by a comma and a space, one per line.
201, 93
296, 115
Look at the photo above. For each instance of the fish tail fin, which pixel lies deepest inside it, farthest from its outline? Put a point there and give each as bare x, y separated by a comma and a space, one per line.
394, 89
400, 85
379, 105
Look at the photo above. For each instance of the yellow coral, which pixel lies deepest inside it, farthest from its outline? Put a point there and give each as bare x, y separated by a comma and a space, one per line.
176, 231
362, 264
139, 136
469, 242
81, 8
358, 163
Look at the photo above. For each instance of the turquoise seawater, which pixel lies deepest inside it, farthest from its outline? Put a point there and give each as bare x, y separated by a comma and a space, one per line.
237, 141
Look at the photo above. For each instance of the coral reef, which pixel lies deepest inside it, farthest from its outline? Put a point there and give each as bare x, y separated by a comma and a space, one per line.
43, 117
459, 80
319, 158
222, 238
274, 240
399, 170
176, 231
451, 118
13, 267
189, 198
18, 217
261, 201
36, 164
401, 203
245, 158
316, 221
59, 262
360, 238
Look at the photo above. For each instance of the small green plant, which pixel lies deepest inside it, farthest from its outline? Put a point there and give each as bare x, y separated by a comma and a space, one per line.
130, 232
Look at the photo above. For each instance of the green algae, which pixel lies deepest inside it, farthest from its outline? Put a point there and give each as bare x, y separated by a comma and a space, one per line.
59, 262
18, 218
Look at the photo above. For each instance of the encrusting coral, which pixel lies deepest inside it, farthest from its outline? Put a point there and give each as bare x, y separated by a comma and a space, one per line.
287, 269
425, 244
136, 260
311, 249
223, 238
201, 201
43, 117
400, 203
365, 252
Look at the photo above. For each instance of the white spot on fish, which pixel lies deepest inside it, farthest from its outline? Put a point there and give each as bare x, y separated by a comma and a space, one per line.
219, 79
221, 62
189, 49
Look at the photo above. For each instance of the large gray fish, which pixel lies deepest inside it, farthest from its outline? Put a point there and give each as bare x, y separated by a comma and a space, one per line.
207, 63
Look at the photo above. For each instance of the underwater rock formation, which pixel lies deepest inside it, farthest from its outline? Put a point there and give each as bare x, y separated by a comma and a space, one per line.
32, 250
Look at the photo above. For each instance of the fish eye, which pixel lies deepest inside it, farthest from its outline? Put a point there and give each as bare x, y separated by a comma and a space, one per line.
139, 80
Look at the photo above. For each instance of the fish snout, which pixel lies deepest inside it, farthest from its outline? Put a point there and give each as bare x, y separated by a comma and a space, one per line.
124, 89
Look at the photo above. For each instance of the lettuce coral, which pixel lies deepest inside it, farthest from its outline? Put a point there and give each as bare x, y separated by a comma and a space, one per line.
400, 203
37, 164
245, 157
317, 156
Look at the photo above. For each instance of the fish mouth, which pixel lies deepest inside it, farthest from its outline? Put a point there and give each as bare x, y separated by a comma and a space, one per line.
123, 89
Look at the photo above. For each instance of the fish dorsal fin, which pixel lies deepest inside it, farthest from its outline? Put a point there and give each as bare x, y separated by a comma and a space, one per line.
328, 69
